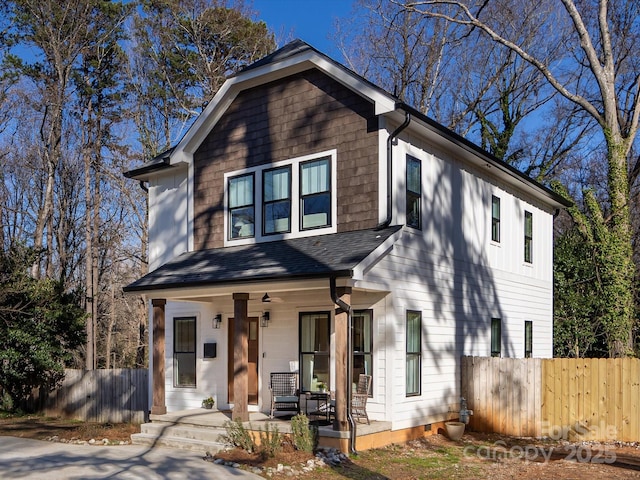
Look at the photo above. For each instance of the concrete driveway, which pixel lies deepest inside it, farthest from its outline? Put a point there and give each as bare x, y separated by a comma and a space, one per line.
24, 458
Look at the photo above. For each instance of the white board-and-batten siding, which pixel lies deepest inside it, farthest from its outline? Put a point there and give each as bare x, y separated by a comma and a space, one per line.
459, 279
168, 216
278, 343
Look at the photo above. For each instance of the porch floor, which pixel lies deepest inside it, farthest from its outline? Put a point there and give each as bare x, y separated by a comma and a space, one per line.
217, 418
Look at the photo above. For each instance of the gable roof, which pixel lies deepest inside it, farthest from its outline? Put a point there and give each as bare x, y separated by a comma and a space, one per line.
322, 256
298, 56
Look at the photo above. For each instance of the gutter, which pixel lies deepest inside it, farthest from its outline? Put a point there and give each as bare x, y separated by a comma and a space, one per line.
347, 308
483, 155
390, 139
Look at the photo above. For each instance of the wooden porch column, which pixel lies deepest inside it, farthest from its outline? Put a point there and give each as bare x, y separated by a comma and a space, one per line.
240, 358
342, 336
158, 406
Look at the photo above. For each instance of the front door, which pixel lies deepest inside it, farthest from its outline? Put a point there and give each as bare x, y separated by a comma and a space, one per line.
253, 332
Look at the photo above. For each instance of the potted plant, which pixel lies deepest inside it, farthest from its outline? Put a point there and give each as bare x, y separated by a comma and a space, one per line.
455, 430
208, 403
322, 387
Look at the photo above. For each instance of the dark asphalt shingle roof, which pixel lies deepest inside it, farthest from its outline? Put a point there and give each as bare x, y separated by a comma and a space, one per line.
159, 162
320, 256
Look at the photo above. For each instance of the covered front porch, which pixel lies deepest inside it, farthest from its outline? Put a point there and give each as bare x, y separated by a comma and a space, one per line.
305, 337
221, 298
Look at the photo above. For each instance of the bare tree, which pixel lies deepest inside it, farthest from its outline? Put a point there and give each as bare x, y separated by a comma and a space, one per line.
456, 75
600, 75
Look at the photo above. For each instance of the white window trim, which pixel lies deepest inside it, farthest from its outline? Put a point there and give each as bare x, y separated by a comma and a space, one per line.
523, 226
400, 177
295, 200
493, 242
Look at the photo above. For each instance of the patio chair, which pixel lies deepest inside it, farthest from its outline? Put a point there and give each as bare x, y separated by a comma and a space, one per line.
358, 399
284, 392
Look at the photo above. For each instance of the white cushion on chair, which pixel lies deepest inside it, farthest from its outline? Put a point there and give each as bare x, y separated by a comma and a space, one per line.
285, 399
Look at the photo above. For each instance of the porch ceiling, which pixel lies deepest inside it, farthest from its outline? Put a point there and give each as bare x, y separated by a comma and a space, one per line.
252, 266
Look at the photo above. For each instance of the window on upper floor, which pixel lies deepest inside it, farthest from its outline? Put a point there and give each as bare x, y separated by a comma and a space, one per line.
241, 206
276, 200
279, 200
414, 192
315, 194
495, 218
528, 236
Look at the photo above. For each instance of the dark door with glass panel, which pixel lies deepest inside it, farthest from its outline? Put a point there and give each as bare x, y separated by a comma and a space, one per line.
252, 337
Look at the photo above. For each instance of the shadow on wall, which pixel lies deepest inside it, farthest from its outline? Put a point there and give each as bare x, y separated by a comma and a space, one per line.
450, 262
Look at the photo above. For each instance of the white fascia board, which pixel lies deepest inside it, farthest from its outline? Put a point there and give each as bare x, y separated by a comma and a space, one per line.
181, 157
233, 86
256, 290
360, 270
383, 103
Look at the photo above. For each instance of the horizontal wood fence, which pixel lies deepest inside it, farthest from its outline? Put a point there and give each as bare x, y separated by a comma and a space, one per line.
561, 398
116, 395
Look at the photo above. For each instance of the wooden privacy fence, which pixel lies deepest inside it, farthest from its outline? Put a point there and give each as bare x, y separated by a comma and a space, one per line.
562, 398
116, 395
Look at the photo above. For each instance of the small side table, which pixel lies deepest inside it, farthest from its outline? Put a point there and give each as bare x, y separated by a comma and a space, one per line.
322, 404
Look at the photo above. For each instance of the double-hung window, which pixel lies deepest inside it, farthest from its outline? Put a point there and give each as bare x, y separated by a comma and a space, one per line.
414, 192
184, 351
315, 194
241, 207
314, 350
528, 236
362, 341
495, 218
295, 197
276, 200
414, 353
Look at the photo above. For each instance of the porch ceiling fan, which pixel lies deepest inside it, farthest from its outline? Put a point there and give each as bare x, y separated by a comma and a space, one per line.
266, 298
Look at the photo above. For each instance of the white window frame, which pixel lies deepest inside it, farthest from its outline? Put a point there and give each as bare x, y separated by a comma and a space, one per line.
529, 260
175, 352
296, 231
408, 159
498, 218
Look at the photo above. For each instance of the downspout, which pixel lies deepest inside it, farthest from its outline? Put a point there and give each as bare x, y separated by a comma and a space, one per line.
390, 140
347, 308
143, 187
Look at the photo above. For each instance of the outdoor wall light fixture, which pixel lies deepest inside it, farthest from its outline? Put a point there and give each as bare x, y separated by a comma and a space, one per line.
264, 320
266, 298
217, 320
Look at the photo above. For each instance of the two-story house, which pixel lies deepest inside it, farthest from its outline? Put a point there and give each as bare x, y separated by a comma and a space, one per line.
310, 220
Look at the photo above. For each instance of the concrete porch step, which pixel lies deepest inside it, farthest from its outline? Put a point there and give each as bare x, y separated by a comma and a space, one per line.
176, 442
183, 436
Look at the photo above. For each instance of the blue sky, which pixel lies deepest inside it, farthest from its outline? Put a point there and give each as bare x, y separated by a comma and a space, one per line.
309, 20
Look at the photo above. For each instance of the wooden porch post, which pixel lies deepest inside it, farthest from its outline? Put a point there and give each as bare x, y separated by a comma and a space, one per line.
158, 406
240, 358
342, 332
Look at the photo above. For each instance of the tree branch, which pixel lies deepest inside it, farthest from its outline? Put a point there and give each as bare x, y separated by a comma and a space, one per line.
473, 21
